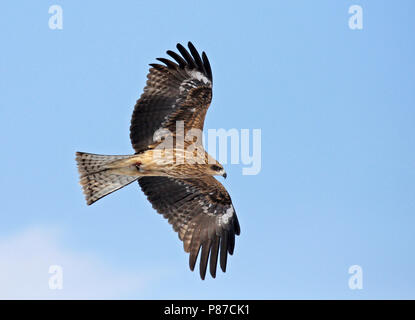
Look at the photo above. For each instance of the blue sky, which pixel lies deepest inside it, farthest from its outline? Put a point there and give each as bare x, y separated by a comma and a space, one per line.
335, 107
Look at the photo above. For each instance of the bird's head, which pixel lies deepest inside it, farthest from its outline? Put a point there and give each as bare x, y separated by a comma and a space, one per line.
217, 169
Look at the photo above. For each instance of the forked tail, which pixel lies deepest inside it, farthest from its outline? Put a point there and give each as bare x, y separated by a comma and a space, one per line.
97, 178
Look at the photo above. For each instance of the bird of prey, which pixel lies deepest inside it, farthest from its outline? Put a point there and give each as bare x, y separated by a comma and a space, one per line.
174, 171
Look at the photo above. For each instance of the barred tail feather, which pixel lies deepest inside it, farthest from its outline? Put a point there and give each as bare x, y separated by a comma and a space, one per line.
96, 179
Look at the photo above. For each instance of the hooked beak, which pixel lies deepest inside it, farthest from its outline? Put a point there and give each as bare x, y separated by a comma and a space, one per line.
224, 175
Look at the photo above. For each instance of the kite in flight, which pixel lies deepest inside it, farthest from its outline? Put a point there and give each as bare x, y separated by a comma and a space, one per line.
174, 172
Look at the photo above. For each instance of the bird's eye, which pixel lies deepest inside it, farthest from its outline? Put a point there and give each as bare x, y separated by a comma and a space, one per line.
216, 168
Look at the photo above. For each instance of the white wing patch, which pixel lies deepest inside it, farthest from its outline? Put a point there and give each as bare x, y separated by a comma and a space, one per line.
224, 219
198, 76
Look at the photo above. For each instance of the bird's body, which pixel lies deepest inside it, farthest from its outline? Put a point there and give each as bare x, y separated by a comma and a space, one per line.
170, 163
150, 163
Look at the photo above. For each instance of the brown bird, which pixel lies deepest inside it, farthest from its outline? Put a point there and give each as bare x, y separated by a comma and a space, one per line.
171, 166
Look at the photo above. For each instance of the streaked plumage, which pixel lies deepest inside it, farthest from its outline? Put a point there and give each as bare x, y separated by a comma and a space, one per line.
194, 202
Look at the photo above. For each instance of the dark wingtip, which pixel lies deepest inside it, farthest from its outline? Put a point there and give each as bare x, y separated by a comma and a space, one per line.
186, 55
155, 65
168, 63
178, 58
224, 250
204, 258
237, 226
191, 60
192, 263
206, 64
196, 57
193, 257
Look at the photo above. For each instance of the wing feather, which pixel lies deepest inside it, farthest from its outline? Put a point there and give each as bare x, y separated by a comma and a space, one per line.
174, 92
196, 57
206, 246
186, 55
182, 63
202, 213
168, 63
214, 256
223, 250
207, 65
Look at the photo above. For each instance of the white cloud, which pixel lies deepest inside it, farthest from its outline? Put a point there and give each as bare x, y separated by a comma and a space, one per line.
25, 259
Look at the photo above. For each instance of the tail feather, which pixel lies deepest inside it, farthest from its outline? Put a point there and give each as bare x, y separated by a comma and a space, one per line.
96, 178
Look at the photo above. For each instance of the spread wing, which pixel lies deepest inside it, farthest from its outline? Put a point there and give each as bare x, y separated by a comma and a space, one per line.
202, 213
175, 91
